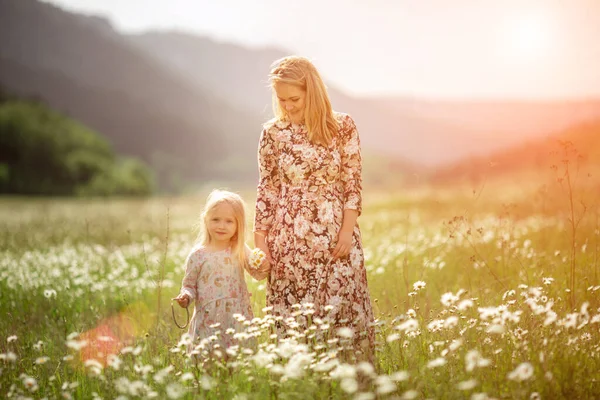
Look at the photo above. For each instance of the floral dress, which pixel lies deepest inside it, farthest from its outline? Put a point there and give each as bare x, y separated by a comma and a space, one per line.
215, 281
303, 191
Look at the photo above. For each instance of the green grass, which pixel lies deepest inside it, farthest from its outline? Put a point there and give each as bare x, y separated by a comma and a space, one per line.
72, 270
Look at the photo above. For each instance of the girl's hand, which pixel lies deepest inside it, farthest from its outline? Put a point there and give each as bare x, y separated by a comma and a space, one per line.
344, 244
183, 300
261, 243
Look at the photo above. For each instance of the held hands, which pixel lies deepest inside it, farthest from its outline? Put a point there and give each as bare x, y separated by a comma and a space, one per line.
258, 261
344, 244
183, 300
261, 243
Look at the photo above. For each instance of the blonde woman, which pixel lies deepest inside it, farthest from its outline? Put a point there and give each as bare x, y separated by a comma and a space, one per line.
308, 202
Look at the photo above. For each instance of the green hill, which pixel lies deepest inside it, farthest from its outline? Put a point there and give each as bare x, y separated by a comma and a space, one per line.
45, 153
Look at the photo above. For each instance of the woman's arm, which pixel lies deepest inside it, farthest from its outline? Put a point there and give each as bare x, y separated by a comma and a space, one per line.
352, 179
268, 189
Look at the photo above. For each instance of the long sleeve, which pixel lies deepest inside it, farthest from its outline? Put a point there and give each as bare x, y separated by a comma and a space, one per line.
192, 270
269, 183
351, 166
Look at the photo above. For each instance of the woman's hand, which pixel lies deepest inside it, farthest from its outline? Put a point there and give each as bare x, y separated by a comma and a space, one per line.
344, 244
183, 300
265, 267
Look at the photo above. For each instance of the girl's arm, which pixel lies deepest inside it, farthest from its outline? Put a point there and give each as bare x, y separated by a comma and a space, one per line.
192, 270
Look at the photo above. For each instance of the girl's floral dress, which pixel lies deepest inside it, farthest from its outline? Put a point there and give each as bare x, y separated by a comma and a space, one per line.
303, 191
215, 282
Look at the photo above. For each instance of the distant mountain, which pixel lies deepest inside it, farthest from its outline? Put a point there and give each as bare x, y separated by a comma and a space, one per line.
82, 67
423, 132
192, 107
580, 143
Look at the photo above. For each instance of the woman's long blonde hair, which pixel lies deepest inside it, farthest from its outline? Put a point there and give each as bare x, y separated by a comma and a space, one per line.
318, 114
215, 198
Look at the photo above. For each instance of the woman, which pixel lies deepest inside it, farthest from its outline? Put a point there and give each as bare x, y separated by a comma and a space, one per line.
308, 201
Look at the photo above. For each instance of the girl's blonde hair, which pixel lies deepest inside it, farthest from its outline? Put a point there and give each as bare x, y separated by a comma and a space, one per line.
216, 198
318, 114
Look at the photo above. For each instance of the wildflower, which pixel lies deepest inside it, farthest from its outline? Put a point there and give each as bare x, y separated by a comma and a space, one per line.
400, 376
114, 362
418, 285
408, 325
163, 373
30, 383
343, 371
345, 332
76, 344
438, 362
207, 382
385, 385
188, 376
448, 299
463, 305
175, 390
410, 394
349, 385
11, 338
495, 328
455, 344
451, 322
41, 360
474, 359
256, 258
392, 338
523, 372
547, 281
48, 293
467, 385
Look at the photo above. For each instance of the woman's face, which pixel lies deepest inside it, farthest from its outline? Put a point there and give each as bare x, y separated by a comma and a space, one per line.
291, 98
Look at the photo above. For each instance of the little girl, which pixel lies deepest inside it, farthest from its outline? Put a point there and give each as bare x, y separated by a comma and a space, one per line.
214, 273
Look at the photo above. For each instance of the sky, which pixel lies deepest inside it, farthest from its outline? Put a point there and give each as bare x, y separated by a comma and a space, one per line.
454, 49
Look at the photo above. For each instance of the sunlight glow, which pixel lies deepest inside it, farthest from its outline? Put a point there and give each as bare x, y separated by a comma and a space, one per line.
527, 38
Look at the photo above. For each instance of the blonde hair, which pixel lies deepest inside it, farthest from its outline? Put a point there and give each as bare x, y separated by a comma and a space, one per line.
216, 198
318, 114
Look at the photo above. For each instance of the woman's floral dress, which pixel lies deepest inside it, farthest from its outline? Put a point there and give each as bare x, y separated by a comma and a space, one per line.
215, 281
303, 191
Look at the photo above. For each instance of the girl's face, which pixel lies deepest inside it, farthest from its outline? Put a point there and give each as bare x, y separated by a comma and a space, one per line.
291, 99
221, 224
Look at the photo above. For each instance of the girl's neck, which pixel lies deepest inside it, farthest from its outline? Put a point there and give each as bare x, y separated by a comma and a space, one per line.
218, 246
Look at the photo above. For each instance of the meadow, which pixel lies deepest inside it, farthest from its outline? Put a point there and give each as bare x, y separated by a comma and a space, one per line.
482, 290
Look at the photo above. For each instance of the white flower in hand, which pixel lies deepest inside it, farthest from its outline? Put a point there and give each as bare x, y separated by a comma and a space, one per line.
257, 256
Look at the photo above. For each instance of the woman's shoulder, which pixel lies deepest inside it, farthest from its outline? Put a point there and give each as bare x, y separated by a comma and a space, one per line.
275, 124
344, 120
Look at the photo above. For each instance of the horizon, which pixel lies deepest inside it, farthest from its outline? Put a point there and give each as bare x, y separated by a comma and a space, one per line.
532, 51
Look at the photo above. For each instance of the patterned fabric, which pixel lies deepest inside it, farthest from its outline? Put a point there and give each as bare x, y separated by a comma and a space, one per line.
215, 281
303, 191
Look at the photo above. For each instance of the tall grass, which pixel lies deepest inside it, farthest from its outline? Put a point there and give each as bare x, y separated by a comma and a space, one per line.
477, 294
